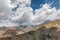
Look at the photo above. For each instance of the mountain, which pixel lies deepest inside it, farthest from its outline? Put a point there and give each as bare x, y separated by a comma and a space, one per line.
49, 30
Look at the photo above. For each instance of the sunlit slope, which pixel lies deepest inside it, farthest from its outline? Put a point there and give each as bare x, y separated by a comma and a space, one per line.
55, 23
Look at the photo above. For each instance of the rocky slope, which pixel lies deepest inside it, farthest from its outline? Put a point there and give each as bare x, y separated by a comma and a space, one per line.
48, 31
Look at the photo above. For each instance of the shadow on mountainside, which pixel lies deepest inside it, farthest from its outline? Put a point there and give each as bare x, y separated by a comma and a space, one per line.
42, 33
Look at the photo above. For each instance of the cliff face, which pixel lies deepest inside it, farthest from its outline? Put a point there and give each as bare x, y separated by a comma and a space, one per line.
40, 34
47, 31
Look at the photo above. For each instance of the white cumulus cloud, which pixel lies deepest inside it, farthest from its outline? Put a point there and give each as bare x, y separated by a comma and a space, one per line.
24, 13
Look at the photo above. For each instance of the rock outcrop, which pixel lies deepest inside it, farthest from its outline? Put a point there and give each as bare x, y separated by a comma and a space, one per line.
47, 31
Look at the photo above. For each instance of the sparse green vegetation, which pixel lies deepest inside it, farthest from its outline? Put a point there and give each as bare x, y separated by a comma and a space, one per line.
42, 33
46, 31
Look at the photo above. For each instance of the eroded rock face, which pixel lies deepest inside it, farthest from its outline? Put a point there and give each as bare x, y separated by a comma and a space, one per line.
10, 32
39, 32
42, 33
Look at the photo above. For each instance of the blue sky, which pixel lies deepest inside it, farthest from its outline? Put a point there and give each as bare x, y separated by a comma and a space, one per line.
35, 4
23, 12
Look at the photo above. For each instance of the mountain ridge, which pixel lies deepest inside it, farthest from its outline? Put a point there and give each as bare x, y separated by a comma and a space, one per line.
49, 29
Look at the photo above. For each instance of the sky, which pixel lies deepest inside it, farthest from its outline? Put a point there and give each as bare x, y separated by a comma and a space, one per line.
35, 4
28, 12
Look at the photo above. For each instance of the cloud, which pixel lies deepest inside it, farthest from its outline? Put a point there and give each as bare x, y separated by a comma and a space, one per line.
24, 13
11, 18
46, 13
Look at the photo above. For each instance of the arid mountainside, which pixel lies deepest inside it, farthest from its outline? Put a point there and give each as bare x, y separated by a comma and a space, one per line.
50, 30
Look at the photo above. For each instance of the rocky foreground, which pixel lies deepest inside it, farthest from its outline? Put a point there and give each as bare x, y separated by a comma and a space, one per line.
47, 31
